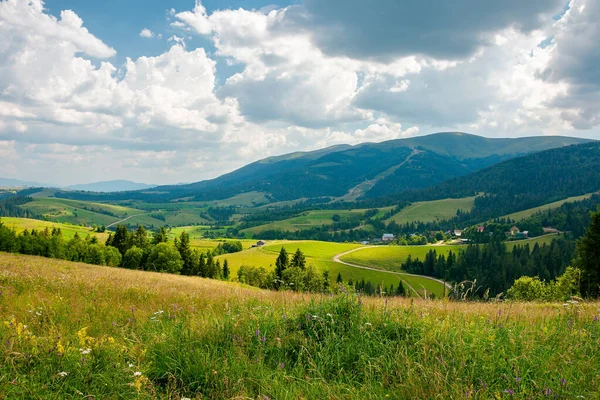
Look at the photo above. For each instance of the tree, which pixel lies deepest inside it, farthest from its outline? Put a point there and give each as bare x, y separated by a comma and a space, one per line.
121, 239
165, 258
112, 256
140, 237
185, 251
588, 258
133, 258
226, 270
160, 236
339, 278
298, 259
281, 263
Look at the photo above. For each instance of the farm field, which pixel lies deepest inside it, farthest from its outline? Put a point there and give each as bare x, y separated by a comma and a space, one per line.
429, 211
541, 240
527, 213
391, 257
109, 332
310, 219
68, 231
321, 254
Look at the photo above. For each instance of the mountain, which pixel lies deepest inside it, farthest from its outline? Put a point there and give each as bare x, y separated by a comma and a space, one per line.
523, 182
351, 172
19, 183
110, 186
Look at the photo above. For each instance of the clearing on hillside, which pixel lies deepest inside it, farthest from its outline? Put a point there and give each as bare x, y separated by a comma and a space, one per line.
430, 211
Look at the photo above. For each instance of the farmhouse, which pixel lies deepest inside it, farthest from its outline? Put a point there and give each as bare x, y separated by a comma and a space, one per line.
458, 233
514, 230
260, 243
480, 228
388, 237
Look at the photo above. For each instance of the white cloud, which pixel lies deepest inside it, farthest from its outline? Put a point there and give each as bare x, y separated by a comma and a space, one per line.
147, 33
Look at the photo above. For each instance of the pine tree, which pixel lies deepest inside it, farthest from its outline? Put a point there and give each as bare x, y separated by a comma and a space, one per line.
226, 270
298, 259
339, 278
281, 263
588, 258
185, 251
160, 236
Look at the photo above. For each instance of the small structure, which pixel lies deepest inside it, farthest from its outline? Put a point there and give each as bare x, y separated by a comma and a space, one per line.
364, 242
458, 232
260, 243
514, 230
480, 228
388, 237
522, 235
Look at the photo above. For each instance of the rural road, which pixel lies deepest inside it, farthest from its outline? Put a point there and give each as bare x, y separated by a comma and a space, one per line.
338, 260
123, 220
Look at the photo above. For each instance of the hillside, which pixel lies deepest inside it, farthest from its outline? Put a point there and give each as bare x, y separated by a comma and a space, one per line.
350, 172
110, 332
522, 183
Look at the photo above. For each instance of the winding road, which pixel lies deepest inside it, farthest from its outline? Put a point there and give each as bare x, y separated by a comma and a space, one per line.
123, 220
337, 258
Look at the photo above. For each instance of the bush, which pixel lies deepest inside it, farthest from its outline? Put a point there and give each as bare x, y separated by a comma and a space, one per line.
165, 258
133, 258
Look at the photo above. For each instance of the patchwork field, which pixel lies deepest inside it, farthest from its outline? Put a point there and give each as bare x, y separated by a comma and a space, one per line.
541, 240
391, 257
527, 213
429, 211
114, 333
321, 254
68, 231
310, 219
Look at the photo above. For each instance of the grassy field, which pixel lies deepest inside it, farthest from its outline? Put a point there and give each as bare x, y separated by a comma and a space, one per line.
429, 211
320, 254
541, 240
391, 257
310, 219
80, 331
527, 213
68, 231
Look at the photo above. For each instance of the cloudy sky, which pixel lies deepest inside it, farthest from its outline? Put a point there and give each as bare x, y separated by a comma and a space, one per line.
162, 91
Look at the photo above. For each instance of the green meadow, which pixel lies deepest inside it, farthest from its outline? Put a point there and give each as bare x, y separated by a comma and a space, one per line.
517, 216
81, 331
68, 230
429, 211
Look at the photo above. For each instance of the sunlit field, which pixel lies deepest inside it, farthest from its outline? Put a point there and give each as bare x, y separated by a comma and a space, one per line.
80, 331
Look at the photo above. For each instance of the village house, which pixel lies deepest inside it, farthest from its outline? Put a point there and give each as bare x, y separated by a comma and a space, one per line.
457, 232
480, 228
260, 243
388, 237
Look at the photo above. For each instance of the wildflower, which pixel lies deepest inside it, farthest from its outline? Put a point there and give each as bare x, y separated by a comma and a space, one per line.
548, 392
85, 351
263, 339
563, 381
368, 324
281, 365
257, 332
63, 374
503, 376
130, 365
185, 398
595, 318
137, 373
509, 391
518, 379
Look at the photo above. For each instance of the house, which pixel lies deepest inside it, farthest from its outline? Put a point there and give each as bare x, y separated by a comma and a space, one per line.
480, 228
522, 235
388, 237
260, 243
514, 230
364, 242
458, 232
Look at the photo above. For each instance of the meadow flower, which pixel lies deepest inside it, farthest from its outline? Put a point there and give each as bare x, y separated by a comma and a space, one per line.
85, 351
281, 365
548, 392
257, 332
263, 339
130, 365
509, 391
185, 398
63, 373
137, 373
563, 381
595, 318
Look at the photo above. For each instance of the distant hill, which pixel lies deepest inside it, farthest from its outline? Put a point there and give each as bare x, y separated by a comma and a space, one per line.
522, 183
20, 183
352, 172
111, 186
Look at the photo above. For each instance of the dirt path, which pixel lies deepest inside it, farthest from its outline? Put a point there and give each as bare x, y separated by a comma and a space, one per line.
337, 258
123, 220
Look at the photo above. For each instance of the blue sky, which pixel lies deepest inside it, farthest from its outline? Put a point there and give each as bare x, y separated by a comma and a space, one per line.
214, 85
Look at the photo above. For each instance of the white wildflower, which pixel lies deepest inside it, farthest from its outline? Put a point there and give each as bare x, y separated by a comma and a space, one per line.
368, 324
63, 373
137, 373
131, 365
85, 351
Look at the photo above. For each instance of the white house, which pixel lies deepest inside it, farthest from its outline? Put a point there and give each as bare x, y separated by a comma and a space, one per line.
388, 237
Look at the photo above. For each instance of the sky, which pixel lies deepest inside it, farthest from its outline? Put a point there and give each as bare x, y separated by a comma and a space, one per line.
165, 92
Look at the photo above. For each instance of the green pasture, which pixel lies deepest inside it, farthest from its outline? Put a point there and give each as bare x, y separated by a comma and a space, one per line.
68, 230
517, 216
429, 211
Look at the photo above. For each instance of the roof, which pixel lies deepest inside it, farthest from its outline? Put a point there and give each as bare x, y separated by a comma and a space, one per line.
388, 235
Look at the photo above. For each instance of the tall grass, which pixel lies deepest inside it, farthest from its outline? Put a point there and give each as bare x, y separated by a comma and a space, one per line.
80, 331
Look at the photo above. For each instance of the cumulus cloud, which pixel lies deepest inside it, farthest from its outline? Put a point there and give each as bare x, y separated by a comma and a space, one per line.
439, 29
147, 33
